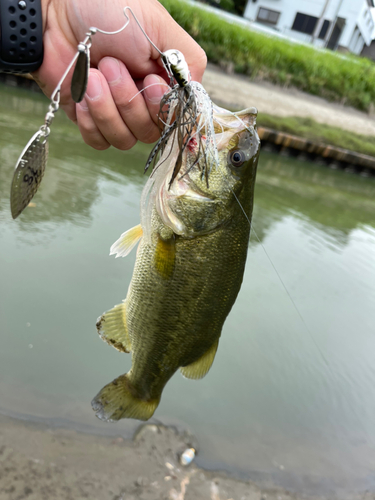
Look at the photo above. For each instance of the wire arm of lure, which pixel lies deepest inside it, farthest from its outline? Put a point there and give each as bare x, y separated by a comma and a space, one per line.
141, 28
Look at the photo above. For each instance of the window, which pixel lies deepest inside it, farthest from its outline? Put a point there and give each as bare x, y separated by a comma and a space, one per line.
336, 34
268, 16
304, 23
324, 29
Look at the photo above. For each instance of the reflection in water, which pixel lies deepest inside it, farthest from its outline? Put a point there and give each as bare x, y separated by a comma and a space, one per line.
192, 250
269, 408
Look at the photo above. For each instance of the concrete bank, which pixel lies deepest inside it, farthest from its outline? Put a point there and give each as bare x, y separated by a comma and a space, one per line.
303, 149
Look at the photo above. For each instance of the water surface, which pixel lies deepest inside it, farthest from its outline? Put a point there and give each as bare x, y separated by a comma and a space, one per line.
290, 399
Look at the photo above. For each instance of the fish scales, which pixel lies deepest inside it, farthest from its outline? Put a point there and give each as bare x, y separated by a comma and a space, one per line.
188, 271
192, 307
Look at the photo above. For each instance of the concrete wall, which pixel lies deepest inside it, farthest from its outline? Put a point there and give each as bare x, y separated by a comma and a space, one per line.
358, 29
369, 51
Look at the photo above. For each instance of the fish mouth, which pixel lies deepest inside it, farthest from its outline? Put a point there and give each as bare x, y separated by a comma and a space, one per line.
185, 186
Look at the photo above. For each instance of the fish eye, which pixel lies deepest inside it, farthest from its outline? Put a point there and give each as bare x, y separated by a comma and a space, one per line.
237, 158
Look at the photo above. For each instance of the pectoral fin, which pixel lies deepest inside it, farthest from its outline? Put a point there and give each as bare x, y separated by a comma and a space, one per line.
127, 241
165, 255
112, 328
199, 368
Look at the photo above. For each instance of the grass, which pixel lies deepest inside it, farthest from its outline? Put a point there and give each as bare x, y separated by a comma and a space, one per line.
349, 80
317, 132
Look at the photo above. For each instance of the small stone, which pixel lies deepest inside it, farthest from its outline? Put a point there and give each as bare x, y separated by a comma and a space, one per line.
153, 428
169, 466
187, 456
167, 478
142, 481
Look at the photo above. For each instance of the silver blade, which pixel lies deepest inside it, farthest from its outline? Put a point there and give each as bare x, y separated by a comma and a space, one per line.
80, 76
28, 173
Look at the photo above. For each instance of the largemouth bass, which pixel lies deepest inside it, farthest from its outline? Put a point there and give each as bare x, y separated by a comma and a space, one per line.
193, 241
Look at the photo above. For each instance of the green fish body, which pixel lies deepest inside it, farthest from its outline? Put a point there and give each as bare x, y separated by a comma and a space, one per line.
189, 268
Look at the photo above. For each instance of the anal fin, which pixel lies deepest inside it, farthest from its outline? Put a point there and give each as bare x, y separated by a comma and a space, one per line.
127, 241
112, 328
199, 368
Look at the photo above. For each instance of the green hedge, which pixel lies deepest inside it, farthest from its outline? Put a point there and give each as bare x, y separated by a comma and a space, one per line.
349, 80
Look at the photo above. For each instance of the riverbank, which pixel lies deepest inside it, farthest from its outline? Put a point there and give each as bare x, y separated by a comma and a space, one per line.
38, 462
42, 463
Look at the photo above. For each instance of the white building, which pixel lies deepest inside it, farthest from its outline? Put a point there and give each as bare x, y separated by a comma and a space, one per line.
335, 24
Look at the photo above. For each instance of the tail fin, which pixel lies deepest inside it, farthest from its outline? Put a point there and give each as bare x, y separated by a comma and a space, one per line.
115, 401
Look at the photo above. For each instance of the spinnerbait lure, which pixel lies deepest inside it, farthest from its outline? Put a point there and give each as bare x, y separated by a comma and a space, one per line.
186, 107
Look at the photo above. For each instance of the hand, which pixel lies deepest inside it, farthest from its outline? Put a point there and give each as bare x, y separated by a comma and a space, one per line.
122, 65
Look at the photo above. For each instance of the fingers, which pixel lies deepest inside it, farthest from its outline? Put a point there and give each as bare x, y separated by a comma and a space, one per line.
130, 103
98, 119
113, 111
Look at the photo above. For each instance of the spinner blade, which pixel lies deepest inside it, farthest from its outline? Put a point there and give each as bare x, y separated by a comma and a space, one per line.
28, 173
80, 76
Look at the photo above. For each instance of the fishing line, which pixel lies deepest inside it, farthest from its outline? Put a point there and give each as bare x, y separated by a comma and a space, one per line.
340, 392
277, 273
312, 338
284, 286
148, 86
294, 304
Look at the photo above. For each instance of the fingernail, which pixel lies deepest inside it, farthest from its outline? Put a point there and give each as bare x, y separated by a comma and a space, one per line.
110, 68
157, 89
94, 87
83, 104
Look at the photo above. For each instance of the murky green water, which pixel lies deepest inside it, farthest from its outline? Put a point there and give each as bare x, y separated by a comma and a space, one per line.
288, 401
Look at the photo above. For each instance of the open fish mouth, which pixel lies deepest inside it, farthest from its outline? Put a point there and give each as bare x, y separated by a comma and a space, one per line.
185, 186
